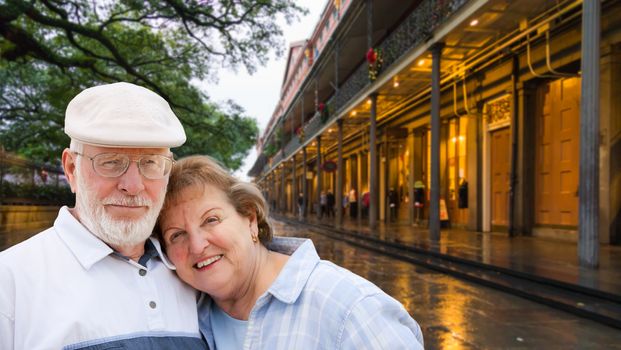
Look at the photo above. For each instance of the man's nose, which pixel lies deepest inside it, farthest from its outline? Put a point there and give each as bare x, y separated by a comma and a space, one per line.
132, 182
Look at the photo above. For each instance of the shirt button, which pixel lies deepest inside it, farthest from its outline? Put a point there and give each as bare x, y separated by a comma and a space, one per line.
152, 304
142, 272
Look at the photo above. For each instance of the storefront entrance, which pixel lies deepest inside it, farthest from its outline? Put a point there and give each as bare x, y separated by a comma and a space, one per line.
557, 153
500, 147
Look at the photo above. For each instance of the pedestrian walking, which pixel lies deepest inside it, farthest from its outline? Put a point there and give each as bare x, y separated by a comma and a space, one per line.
331, 201
366, 202
323, 204
353, 203
392, 204
300, 206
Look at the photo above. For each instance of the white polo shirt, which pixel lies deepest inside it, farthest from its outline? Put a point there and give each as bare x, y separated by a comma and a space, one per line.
66, 289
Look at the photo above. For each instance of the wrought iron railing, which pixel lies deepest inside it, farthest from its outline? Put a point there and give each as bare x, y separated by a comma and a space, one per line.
354, 84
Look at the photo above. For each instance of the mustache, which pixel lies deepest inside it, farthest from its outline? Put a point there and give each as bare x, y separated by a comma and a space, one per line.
132, 201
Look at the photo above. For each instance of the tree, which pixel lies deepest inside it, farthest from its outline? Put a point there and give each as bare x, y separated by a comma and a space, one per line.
52, 49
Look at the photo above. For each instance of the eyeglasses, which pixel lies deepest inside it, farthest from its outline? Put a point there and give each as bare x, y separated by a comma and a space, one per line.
151, 166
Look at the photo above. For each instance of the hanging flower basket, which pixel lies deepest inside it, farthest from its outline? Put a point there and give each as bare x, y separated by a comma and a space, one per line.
324, 112
375, 60
270, 150
300, 133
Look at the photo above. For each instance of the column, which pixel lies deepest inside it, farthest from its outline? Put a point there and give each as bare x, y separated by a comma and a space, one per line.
339, 175
515, 130
588, 226
283, 188
304, 183
434, 206
359, 188
319, 174
369, 5
373, 188
273, 190
294, 187
337, 48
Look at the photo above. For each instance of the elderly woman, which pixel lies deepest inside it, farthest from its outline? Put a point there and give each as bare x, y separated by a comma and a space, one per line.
215, 230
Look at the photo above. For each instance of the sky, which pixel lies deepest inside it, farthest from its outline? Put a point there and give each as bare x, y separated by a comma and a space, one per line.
258, 93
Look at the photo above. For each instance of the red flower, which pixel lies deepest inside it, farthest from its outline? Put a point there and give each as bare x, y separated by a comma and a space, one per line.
371, 56
322, 106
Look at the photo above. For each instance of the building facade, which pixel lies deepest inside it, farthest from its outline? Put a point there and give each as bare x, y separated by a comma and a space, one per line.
485, 115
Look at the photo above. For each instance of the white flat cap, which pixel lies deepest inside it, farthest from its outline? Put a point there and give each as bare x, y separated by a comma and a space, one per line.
122, 115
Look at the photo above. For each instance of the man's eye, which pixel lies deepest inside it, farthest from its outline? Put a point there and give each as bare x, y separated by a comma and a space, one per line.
149, 161
110, 163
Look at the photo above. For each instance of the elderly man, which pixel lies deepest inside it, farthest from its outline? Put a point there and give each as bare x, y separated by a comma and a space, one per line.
95, 279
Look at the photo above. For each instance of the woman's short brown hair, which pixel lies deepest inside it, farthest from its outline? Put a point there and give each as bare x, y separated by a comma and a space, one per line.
199, 171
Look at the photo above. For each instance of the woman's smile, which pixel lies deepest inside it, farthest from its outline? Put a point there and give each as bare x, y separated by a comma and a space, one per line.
208, 263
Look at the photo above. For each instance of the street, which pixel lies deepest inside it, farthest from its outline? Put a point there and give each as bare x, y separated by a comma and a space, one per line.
457, 314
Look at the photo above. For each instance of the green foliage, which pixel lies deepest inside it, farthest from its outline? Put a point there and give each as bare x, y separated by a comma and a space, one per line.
270, 149
50, 50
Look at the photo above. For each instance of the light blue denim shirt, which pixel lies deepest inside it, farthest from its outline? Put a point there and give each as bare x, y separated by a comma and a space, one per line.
315, 304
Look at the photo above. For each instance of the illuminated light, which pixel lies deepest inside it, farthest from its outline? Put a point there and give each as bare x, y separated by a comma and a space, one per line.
454, 139
369, 101
313, 144
396, 82
329, 130
474, 22
421, 62
461, 138
353, 113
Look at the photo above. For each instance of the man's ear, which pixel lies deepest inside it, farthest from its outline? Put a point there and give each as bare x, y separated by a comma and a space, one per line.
69, 166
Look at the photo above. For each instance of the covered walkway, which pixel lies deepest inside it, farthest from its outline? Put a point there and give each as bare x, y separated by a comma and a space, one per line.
538, 257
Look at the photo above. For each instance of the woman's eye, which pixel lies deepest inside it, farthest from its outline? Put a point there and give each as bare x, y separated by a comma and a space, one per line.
175, 236
212, 220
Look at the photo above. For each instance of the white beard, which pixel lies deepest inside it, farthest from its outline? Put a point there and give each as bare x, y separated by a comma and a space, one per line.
115, 232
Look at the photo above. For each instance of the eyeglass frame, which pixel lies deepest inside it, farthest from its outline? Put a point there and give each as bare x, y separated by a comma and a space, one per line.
137, 161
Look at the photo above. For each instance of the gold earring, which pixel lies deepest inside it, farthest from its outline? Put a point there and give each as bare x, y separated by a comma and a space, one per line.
254, 238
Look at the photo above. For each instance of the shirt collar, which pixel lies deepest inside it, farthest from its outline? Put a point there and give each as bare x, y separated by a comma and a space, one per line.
160, 253
291, 281
85, 246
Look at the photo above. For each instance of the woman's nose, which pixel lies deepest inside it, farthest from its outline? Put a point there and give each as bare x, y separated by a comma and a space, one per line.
198, 242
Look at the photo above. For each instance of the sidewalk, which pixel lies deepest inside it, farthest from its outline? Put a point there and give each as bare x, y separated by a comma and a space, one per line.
545, 258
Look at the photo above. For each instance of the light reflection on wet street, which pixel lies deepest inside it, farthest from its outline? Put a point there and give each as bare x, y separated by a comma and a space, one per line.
456, 314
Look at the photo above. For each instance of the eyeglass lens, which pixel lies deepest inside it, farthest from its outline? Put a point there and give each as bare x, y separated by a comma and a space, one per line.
152, 166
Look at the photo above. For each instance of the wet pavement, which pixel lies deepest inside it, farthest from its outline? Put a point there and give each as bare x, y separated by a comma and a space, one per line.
456, 314
545, 258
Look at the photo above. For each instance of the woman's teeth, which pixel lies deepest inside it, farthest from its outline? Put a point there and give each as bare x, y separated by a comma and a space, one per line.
208, 262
